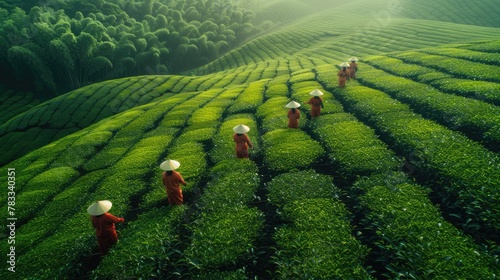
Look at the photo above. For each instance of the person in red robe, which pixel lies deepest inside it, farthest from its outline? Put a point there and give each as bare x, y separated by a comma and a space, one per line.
353, 68
316, 103
242, 141
343, 74
293, 114
172, 180
104, 224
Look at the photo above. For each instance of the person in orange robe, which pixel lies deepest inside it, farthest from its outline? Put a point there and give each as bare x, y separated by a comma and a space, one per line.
293, 114
104, 224
353, 68
343, 74
293, 118
316, 103
172, 180
242, 141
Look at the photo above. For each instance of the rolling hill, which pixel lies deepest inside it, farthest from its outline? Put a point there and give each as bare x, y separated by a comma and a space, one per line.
398, 178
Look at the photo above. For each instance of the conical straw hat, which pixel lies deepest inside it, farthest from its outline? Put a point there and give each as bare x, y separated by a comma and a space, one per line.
170, 165
292, 104
353, 59
316, 92
241, 129
344, 64
99, 207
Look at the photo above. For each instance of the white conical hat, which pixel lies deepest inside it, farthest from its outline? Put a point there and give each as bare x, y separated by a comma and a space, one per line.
293, 104
316, 92
344, 64
170, 165
241, 129
353, 59
99, 207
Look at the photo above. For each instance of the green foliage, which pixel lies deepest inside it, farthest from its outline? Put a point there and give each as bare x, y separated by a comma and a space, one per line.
316, 240
472, 117
219, 239
354, 146
57, 52
415, 238
307, 184
468, 171
458, 67
286, 149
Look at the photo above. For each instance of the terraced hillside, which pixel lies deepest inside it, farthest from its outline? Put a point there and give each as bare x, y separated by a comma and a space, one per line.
398, 178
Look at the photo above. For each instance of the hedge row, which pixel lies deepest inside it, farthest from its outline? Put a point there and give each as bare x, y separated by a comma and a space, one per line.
353, 146
273, 113
288, 149
315, 242
458, 67
489, 46
483, 57
477, 119
414, 241
226, 228
481, 90
249, 99
465, 174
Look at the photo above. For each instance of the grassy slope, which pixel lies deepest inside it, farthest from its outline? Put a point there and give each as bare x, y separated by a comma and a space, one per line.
104, 131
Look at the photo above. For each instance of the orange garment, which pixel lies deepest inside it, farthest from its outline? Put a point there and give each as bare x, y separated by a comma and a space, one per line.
343, 76
316, 103
105, 231
293, 118
172, 184
242, 144
353, 68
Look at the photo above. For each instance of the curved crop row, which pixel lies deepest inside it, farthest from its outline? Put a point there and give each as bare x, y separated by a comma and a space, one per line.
353, 146
481, 90
315, 242
468, 173
477, 119
415, 242
455, 66
286, 149
483, 57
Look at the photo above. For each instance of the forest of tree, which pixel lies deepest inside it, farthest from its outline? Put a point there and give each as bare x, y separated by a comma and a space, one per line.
53, 46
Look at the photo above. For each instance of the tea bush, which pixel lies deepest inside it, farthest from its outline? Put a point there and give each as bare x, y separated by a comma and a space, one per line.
468, 171
315, 241
415, 241
472, 117
286, 149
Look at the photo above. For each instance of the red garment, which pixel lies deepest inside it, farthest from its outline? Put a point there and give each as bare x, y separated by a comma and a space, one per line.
353, 68
343, 77
242, 144
293, 118
105, 231
172, 184
316, 104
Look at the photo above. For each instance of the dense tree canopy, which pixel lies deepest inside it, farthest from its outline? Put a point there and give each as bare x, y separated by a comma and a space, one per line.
56, 46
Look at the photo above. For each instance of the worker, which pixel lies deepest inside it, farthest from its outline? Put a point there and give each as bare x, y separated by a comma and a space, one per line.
104, 224
171, 180
353, 67
343, 74
316, 103
293, 114
242, 140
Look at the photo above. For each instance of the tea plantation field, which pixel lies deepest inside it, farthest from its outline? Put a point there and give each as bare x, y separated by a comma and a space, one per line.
399, 178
